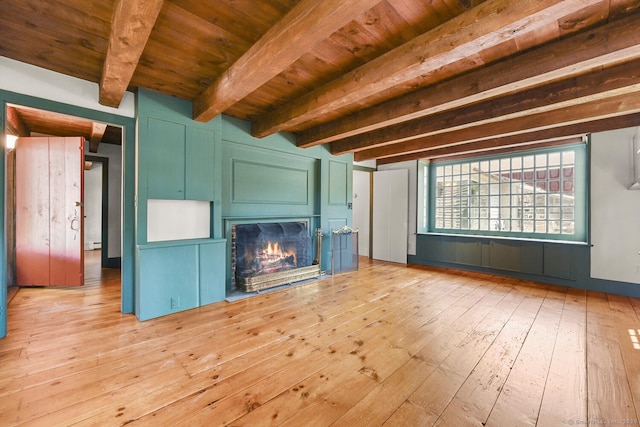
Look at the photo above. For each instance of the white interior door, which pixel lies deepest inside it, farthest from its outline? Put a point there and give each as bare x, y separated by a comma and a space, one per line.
390, 215
362, 209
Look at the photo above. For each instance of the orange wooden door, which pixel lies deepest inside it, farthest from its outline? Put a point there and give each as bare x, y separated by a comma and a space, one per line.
49, 211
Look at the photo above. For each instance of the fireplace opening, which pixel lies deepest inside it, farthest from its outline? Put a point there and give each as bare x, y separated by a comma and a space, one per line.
267, 248
271, 254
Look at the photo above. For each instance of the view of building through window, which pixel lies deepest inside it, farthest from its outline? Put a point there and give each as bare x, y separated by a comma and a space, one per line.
529, 193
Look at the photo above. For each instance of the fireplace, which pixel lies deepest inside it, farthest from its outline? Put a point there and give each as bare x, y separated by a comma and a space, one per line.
265, 255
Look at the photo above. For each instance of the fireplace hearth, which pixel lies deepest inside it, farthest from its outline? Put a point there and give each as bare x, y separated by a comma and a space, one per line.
272, 254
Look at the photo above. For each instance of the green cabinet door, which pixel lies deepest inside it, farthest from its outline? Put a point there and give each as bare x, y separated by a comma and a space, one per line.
179, 161
167, 281
212, 274
164, 157
199, 151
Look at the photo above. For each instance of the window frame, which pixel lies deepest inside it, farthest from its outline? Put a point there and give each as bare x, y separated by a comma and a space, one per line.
428, 190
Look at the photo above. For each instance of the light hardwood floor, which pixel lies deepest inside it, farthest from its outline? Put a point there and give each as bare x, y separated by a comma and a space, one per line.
387, 345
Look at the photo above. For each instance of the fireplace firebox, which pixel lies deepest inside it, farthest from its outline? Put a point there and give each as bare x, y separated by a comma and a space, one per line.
272, 254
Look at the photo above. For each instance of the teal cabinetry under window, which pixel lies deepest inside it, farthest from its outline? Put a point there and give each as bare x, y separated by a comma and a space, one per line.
551, 261
179, 161
504, 255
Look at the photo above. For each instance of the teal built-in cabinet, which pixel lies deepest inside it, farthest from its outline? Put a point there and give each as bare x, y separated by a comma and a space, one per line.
177, 276
177, 160
244, 179
559, 263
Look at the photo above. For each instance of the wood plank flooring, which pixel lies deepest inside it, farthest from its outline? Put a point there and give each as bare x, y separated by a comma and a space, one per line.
388, 345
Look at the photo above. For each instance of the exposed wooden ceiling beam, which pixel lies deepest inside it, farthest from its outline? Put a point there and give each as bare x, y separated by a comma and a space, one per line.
97, 131
308, 23
615, 42
476, 150
554, 142
15, 125
489, 24
599, 85
476, 147
131, 26
595, 110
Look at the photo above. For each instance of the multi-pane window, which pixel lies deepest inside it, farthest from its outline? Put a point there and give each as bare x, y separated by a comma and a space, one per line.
534, 194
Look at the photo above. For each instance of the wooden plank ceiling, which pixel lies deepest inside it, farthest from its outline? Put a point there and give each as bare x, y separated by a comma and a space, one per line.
388, 80
26, 121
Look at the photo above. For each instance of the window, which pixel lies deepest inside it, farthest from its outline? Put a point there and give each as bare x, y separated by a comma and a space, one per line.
534, 194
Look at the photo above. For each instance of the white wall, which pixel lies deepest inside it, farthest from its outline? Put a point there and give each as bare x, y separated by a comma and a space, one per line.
366, 164
412, 167
361, 218
27, 79
178, 220
615, 210
390, 215
92, 206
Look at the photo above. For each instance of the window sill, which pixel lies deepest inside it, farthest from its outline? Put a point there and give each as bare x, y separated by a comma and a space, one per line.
484, 236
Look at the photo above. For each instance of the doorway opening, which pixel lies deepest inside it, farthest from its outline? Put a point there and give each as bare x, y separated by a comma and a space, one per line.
103, 148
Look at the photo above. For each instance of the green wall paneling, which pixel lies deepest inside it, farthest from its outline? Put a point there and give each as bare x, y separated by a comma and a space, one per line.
178, 158
559, 261
336, 224
253, 182
486, 253
430, 249
239, 131
179, 161
260, 182
564, 264
325, 197
200, 157
448, 248
212, 274
468, 251
177, 154
168, 280
336, 190
532, 257
338, 183
504, 254
262, 179
163, 155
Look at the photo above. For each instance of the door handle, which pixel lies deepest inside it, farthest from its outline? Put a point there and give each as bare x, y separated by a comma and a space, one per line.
77, 225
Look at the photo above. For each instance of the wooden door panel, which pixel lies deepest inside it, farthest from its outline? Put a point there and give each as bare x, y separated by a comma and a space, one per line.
32, 212
74, 212
55, 230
